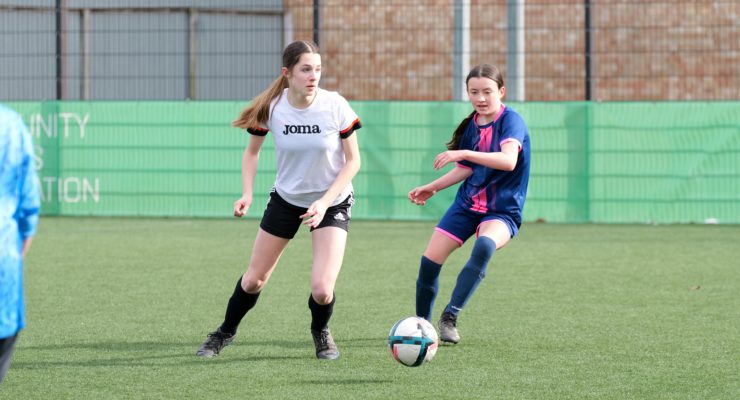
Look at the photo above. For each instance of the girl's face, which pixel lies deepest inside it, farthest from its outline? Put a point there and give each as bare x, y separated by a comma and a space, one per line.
303, 78
485, 96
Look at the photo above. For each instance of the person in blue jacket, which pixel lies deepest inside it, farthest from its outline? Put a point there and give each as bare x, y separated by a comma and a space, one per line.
490, 149
19, 209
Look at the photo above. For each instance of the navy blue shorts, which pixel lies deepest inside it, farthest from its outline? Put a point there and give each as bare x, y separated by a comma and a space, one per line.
459, 224
282, 219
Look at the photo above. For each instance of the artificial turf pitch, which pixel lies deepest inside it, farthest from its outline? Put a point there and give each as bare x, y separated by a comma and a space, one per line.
117, 307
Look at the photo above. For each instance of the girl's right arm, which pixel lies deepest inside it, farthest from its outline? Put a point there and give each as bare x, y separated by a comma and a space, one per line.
421, 194
250, 159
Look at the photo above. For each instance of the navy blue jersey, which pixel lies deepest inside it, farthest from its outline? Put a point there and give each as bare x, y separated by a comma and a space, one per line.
491, 191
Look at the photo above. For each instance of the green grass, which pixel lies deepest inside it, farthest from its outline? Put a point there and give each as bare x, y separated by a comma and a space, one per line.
117, 308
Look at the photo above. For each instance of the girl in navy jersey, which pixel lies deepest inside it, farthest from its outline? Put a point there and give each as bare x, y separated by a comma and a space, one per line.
317, 157
491, 151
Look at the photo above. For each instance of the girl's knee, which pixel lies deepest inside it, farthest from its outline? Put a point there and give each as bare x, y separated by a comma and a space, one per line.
483, 250
322, 295
252, 284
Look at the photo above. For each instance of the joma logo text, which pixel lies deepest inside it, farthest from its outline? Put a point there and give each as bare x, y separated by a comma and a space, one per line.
302, 129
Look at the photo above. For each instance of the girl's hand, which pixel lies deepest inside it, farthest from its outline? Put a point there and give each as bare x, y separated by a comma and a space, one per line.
241, 206
315, 213
421, 194
447, 157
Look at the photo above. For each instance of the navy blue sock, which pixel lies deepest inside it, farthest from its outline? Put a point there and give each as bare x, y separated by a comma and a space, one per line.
239, 304
427, 286
472, 274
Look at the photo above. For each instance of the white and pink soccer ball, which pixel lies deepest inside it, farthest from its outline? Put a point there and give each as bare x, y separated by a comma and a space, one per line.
413, 341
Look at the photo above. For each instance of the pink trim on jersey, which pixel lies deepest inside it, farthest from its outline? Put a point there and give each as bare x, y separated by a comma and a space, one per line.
498, 115
500, 111
479, 201
511, 140
484, 143
448, 234
457, 164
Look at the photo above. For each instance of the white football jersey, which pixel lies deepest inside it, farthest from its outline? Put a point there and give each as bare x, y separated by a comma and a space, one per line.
308, 146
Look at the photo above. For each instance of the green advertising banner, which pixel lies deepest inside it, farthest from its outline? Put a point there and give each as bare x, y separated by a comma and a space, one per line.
591, 162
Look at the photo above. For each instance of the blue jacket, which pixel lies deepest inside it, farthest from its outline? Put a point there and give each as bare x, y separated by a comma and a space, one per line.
19, 209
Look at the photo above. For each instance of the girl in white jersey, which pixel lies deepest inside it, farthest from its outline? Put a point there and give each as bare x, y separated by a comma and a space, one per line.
317, 157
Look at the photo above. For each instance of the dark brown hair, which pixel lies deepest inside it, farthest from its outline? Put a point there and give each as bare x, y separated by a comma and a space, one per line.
479, 71
258, 111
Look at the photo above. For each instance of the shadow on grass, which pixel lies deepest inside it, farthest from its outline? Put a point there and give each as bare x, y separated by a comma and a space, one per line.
84, 354
340, 382
148, 354
240, 341
358, 343
148, 346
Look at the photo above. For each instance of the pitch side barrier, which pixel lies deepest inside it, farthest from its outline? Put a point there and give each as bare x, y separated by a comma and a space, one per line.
631, 162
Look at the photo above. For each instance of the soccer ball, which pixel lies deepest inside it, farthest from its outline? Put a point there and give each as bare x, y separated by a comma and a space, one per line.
413, 341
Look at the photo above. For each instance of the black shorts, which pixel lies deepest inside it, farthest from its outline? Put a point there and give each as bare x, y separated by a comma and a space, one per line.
282, 219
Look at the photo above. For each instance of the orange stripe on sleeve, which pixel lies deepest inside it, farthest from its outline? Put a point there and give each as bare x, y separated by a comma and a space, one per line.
344, 134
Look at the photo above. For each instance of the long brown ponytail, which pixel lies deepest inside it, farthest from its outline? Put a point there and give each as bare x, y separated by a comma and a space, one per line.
479, 71
454, 143
257, 113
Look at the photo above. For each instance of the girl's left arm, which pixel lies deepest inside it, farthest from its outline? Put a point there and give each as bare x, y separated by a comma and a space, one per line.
504, 160
348, 171
317, 210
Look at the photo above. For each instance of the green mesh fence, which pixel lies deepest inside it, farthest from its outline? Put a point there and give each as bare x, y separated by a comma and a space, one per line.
591, 162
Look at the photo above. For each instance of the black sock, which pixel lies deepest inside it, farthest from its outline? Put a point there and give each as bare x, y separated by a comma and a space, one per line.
239, 303
320, 314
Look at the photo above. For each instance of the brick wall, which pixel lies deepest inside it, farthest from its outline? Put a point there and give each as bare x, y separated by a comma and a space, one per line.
641, 50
